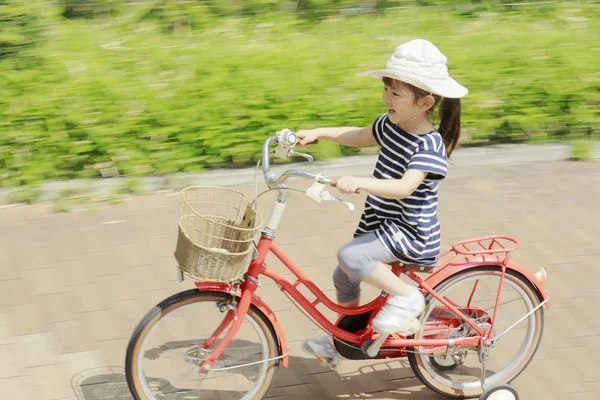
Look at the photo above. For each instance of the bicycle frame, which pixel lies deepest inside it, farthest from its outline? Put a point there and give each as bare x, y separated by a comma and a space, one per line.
258, 267
486, 255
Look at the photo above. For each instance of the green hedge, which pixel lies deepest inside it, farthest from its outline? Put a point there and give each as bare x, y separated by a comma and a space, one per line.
162, 87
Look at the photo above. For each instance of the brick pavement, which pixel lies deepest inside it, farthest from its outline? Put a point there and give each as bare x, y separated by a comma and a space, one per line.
74, 285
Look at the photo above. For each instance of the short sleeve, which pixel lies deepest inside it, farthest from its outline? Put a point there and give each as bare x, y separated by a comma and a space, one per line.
378, 127
430, 156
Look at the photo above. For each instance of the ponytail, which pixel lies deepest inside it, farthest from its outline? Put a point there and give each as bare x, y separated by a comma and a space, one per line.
450, 123
449, 110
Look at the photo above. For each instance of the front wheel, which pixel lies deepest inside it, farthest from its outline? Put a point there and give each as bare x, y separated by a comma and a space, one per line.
474, 292
169, 344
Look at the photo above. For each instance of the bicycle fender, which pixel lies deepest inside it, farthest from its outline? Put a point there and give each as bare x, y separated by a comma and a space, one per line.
258, 303
485, 261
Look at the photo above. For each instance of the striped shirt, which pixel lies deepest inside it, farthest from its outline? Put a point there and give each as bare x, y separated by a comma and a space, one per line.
408, 228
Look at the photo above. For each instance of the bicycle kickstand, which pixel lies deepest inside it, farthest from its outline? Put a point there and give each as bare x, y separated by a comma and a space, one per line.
484, 350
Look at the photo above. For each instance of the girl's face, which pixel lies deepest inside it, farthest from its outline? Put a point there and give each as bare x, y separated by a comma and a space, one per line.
400, 103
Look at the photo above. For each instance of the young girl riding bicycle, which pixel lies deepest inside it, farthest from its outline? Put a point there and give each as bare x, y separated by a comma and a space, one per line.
399, 222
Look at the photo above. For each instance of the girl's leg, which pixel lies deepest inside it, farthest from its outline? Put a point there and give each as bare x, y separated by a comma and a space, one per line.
365, 259
355, 254
348, 295
347, 291
405, 303
383, 278
349, 304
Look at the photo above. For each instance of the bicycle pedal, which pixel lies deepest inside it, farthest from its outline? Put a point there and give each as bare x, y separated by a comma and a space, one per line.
331, 363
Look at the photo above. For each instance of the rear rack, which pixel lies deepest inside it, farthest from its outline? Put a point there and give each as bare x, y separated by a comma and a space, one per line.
498, 246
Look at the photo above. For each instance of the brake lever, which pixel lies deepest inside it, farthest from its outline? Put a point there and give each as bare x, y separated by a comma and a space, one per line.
318, 193
283, 152
294, 153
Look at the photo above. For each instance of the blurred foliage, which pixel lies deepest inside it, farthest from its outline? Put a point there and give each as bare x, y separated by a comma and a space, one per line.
104, 88
582, 150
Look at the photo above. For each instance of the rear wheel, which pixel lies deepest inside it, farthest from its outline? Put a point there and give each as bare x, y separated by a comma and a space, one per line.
474, 291
166, 350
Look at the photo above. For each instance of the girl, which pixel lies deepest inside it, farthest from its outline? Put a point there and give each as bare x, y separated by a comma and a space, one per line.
399, 223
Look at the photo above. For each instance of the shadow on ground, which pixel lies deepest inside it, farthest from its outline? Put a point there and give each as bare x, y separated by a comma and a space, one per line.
389, 379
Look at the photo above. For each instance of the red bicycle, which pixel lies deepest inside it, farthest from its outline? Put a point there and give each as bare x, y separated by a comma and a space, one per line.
481, 326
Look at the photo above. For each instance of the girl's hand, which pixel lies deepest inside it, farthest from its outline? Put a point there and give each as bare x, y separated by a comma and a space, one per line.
306, 137
349, 185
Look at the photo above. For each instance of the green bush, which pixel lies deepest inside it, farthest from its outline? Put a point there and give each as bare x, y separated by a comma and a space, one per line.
161, 87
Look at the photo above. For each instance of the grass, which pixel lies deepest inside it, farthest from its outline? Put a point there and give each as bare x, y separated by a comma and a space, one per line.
126, 94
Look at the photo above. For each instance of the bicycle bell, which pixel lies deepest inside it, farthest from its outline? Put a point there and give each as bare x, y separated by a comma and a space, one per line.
286, 138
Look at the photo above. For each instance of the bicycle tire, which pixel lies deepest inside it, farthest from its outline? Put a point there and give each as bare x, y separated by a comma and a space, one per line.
415, 359
173, 303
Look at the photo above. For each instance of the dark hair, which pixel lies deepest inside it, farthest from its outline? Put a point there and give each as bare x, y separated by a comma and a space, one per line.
449, 111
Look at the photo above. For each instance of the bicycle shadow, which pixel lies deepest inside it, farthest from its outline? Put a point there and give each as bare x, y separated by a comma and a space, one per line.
304, 379
111, 383
385, 379
100, 384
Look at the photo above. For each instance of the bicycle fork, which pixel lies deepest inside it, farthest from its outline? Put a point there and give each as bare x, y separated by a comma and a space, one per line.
235, 317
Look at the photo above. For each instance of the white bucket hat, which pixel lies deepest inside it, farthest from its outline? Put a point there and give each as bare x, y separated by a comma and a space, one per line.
421, 64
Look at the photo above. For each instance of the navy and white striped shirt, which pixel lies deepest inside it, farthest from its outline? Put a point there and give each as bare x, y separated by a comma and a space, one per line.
409, 228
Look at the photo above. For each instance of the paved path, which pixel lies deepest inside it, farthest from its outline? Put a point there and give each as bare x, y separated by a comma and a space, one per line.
74, 285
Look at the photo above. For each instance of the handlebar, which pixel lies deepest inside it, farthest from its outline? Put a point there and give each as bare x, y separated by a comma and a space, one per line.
287, 140
303, 174
269, 176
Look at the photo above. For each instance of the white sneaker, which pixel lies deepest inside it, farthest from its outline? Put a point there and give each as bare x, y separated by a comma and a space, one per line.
399, 314
323, 350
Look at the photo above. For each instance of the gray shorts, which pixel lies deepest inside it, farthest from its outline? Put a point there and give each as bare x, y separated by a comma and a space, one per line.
356, 261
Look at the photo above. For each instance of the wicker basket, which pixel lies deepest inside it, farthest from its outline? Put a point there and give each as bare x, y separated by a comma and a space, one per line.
217, 228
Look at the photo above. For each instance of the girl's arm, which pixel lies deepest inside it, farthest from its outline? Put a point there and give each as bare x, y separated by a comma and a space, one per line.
387, 188
348, 136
